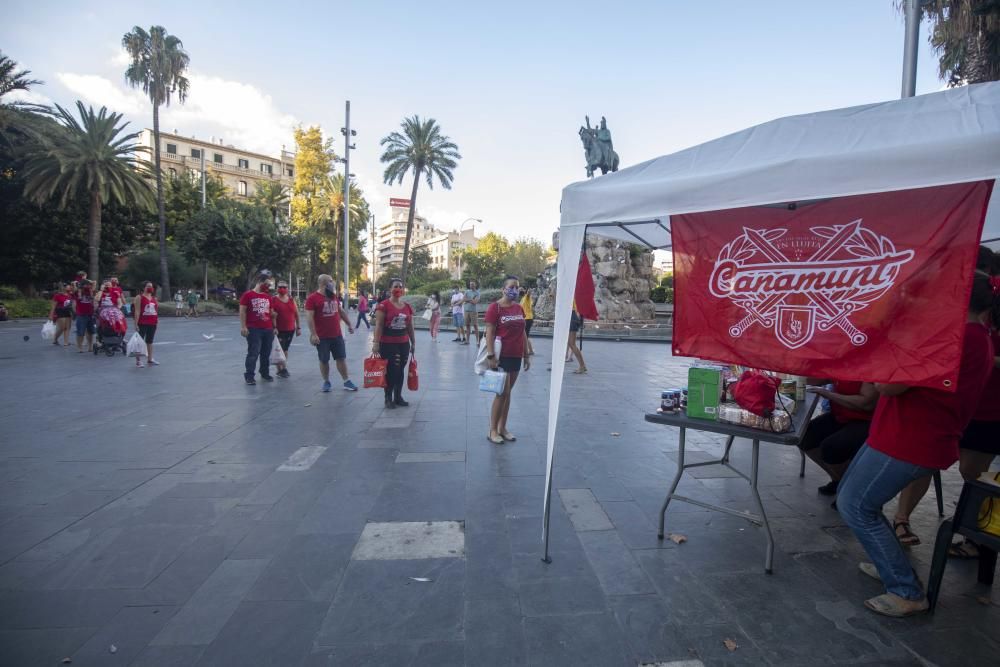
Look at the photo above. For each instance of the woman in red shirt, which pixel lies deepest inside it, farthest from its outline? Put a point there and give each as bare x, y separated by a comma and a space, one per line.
505, 320
394, 341
915, 430
832, 439
145, 312
62, 313
287, 322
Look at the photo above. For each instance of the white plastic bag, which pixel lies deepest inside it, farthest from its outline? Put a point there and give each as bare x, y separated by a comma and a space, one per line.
493, 382
49, 330
137, 346
428, 313
277, 354
482, 363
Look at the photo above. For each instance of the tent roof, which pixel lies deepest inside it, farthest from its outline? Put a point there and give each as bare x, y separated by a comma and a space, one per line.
952, 136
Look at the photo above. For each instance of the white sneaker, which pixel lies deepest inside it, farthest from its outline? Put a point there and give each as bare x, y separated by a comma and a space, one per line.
154, 362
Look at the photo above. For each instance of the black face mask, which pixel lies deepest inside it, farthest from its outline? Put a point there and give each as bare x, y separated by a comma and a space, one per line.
329, 292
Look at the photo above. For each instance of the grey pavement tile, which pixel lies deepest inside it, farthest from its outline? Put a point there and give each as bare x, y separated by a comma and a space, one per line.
234, 525
277, 633
584, 511
410, 541
297, 500
168, 656
373, 654
60, 609
58, 546
199, 621
522, 496
687, 600
577, 640
343, 506
22, 533
264, 539
379, 600
566, 595
178, 582
271, 489
441, 653
614, 565
494, 631
309, 569
409, 498
430, 457
128, 632
635, 528
210, 490
42, 646
76, 503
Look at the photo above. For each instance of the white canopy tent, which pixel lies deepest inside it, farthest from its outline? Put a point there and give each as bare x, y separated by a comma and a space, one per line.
942, 138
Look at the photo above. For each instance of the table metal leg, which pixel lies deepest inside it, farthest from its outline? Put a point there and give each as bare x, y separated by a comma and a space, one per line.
729, 445
677, 479
754, 464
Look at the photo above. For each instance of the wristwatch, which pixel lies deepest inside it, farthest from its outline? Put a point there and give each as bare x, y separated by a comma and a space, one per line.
490, 356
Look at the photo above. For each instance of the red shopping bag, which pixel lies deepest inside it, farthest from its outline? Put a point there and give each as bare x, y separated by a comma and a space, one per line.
375, 369
755, 392
412, 381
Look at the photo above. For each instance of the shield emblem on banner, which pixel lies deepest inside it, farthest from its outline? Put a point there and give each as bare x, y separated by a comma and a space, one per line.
794, 325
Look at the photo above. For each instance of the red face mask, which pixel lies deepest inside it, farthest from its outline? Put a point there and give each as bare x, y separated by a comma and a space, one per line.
282, 290
265, 288
397, 292
149, 289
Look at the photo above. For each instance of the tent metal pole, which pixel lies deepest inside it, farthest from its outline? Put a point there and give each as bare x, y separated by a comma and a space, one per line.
910, 43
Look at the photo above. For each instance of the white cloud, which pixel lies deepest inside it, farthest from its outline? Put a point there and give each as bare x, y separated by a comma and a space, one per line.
28, 96
238, 113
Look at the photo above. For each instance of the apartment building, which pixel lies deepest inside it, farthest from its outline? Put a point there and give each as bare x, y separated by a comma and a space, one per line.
239, 170
445, 248
390, 237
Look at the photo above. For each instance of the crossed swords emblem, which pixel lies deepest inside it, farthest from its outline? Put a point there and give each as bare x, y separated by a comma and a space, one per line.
833, 314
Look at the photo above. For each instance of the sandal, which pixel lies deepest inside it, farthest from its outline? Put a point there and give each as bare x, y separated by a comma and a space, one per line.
580, 371
964, 549
508, 437
889, 604
906, 536
496, 441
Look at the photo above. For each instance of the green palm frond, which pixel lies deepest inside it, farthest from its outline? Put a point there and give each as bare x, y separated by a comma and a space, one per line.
422, 148
157, 64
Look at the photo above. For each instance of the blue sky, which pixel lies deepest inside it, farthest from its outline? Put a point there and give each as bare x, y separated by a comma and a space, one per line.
509, 82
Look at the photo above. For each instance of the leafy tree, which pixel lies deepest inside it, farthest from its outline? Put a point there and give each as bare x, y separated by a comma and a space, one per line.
314, 158
966, 37
422, 148
526, 259
88, 158
158, 63
13, 80
182, 199
273, 196
145, 265
485, 262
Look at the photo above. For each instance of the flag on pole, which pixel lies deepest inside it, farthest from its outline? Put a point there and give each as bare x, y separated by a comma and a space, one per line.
585, 304
869, 287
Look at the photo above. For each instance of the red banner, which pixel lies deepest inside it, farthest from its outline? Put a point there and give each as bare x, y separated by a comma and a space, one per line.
871, 287
584, 291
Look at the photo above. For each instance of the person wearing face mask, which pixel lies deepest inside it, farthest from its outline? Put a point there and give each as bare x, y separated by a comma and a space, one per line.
287, 321
257, 325
457, 315
505, 320
62, 313
144, 310
471, 305
84, 314
394, 341
324, 315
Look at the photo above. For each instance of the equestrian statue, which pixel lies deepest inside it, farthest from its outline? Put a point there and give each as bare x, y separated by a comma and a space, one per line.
598, 148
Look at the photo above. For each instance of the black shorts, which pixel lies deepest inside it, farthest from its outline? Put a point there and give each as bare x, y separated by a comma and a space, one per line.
838, 442
982, 436
527, 326
285, 339
147, 331
328, 346
510, 364
575, 324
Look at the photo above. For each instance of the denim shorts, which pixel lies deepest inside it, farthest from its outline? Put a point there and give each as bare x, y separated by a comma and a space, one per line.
331, 345
459, 320
84, 324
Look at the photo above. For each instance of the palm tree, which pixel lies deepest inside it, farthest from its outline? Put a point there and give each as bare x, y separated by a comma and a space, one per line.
158, 65
273, 196
13, 80
89, 158
966, 37
422, 148
333, 188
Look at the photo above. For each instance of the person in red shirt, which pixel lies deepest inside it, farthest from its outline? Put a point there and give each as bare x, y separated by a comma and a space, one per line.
287, 322
394, 341
85, 323
62, 313
362, 311
505, 321
257, 325
146, 314
915, 430
323, 315
832, 439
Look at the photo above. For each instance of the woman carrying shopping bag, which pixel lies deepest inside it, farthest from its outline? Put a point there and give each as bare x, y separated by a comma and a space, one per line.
144, 311
62, 313
434, 305
394, 341
505, 321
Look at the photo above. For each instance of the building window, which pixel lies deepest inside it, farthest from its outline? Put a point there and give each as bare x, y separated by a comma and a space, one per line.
196, 153
243, 164
265, 168
289, 172
173, 172
241, 188
217, 158
172, 149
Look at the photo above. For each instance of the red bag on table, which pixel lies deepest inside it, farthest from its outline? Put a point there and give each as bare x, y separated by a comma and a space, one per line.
412, 381
755, 392
375, 370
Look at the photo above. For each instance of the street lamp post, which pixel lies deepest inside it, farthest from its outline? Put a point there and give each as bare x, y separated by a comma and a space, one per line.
348, 146
460, 228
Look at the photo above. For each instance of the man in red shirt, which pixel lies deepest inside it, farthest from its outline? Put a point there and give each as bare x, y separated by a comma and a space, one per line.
324, 313
915, 430
84, 313
257, 325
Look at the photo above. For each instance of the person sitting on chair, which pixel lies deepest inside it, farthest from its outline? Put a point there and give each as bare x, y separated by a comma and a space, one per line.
832, 439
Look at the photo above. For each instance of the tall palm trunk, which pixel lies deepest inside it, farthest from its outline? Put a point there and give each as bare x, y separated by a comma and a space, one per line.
160, 208
409, 224
94, 235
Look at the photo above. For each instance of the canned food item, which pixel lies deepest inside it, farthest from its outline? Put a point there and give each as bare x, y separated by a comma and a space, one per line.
670, 400
787, 388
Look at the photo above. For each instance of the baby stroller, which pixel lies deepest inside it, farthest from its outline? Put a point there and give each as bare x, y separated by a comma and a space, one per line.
111, 328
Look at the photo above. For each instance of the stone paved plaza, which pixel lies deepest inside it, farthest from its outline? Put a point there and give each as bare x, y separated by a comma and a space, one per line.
175, 516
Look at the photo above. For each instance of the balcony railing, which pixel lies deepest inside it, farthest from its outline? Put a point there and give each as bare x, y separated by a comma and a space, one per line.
195, 163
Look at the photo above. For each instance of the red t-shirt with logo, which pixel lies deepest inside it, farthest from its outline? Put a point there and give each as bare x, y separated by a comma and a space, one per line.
147, 310
326, 315
286, 313
843, 414
85, 301
258, 305
509, 322
395, 328
923, 426
989, 405
62, 300
116, 295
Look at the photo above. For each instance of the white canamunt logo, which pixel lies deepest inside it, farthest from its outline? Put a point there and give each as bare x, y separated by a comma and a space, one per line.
840, 270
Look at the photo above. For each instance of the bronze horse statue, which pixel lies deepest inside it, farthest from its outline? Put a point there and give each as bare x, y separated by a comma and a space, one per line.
599, 155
